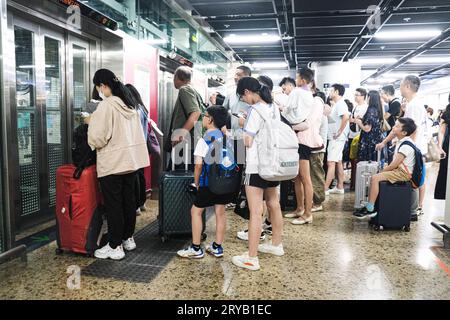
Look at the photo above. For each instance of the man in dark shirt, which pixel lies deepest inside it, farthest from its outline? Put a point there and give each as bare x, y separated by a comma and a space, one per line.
393, 113
186, 113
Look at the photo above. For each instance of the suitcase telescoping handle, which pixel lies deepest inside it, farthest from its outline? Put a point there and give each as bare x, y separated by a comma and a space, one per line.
186, 160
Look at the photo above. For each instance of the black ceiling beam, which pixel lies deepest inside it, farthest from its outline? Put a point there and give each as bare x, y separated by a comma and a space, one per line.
420, 10
385, 11
444, 66
424, 47
275, 9
329, 14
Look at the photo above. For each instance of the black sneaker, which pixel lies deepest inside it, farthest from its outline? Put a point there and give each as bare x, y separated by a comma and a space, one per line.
363, 213
420, 211
267, 228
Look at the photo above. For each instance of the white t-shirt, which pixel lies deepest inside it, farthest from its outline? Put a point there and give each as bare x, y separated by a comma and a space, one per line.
323, 134
201, 150
234, 105
339, 110
299, 106
415, 110
358, 112
253, 124
408, 152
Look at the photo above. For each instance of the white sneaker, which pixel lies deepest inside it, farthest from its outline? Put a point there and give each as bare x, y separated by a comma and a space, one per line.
109, 253
243, 235
129, 245
270, 248
327, 193
337, 191
244, 261
190, 253
317, 209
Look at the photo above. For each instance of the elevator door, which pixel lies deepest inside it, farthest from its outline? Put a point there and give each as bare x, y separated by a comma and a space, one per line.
168, 96
52, 88
40, 138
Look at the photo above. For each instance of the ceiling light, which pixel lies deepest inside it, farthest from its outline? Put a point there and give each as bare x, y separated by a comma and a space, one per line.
398, 75
270, 65
247, 39
436, 59
365, 61
418, 34
381, 80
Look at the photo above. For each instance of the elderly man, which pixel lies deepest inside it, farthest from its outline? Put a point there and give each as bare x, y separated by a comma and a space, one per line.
415, 110
186, 113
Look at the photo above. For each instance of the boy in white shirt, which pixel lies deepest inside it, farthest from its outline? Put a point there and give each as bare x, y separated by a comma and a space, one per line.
301, 100
399, 170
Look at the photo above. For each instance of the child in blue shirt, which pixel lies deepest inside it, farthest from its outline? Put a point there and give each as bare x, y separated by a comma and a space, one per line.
214, 119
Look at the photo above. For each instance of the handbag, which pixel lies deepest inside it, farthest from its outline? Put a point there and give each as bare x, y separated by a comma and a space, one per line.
153, 146
242, 209
385, 126
354, 148
433, 154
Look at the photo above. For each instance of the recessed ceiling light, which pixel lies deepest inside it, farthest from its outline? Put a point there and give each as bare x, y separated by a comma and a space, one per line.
270, 65
435, 59
365, 61
251, 39
417, 34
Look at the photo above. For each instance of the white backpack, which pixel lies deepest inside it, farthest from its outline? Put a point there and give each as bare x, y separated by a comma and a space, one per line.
277, 149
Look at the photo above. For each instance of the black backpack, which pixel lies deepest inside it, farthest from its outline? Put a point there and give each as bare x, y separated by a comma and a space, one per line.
82, 154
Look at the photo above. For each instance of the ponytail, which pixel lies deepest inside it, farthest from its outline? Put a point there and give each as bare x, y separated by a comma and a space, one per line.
253, 85
118, 89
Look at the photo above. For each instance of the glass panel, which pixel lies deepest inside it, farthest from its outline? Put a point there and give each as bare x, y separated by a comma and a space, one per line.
55, 131
26, 121
162, 25
79, 83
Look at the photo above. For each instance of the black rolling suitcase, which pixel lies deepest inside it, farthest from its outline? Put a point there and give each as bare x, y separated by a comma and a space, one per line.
393, 207
288, 200
175, 203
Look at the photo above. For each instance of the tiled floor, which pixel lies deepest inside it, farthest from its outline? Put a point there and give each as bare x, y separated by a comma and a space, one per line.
336, 258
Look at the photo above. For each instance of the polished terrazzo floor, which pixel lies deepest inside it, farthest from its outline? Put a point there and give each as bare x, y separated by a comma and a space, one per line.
335, 258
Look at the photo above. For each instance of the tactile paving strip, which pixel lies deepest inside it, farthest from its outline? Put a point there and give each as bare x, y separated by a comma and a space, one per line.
146, 262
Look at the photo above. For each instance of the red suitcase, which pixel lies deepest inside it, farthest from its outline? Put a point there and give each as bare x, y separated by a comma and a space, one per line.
78, 211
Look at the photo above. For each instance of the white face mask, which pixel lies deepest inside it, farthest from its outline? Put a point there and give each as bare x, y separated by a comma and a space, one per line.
102, 96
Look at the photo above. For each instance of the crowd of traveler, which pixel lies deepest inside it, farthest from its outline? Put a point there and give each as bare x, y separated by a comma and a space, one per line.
328, 130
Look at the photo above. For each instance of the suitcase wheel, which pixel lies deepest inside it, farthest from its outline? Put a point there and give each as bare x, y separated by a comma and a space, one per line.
204, 237
59, 252
378, 228
406, 228
163, 239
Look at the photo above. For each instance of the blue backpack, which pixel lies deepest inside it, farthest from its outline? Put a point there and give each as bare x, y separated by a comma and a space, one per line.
419, 172
223, 176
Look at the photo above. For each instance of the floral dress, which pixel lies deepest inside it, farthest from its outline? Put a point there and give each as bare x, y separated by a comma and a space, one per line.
369, 140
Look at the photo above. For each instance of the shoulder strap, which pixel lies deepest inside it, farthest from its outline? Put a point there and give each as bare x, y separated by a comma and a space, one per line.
409, 143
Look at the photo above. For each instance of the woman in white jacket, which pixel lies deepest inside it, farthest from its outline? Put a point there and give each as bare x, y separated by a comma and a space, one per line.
116, 133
